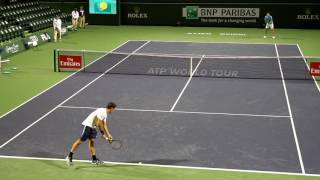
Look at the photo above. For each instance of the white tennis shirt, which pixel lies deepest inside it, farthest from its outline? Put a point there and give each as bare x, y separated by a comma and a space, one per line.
91, 120
75, 14
57, 23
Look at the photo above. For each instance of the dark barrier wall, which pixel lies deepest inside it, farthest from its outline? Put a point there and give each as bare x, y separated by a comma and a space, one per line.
286, 15
200, 1
223, 1
235, 15
3, 3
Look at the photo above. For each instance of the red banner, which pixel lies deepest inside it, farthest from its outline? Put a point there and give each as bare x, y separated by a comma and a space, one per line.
315, 68
70, 62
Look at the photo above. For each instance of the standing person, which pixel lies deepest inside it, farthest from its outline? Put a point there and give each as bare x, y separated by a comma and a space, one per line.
96, 120
269, 25
75, 17
57, 28
82, 19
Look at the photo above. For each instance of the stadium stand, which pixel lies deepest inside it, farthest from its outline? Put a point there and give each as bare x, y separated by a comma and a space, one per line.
17, 18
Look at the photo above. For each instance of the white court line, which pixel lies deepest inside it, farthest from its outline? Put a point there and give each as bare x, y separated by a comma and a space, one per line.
216, 42
188, 82
58, 83
89, 50
87, 85
305, 61
182, 112
167, 166
290, 112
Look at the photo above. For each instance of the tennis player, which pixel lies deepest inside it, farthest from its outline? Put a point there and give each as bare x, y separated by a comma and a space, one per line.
269, 25
96, 120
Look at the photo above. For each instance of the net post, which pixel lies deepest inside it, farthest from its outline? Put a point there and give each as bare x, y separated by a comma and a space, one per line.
307, 73
54, 60
58, 55
83, 59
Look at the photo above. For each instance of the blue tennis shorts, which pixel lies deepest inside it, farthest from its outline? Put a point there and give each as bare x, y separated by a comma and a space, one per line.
88, 133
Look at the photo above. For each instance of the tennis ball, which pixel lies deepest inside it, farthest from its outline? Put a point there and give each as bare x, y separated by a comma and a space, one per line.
103, 6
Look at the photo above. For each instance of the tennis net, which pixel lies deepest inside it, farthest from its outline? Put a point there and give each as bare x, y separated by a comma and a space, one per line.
185, 65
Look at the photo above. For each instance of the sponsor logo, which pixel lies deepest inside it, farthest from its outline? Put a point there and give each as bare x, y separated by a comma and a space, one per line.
33, 41
196, 12
137, 14
172, 71
45, 37
232, 34
315, 68
194, 33
14, 48
33, 38
309, 15
70, 62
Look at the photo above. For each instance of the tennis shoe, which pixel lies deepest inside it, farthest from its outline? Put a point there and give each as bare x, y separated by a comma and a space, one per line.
69, 161
97, 162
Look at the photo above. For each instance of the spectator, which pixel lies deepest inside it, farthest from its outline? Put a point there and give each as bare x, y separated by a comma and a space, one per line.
57, 28
75, 17
82, 19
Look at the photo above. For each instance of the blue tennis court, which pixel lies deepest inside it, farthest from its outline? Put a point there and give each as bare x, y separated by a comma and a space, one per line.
208, 118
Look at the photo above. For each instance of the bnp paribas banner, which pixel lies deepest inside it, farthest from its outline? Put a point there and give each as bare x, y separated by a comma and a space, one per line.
232, 15
221, 15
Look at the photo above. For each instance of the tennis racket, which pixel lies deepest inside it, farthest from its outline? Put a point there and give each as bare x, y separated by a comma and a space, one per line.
115, 144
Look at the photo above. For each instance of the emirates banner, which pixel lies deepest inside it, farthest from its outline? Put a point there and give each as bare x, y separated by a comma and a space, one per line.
315, 68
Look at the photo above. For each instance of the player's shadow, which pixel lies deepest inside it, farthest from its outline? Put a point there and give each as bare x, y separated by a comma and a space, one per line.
114, 166
123, 171
126, 170
90, 166
56, 164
